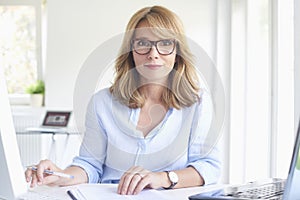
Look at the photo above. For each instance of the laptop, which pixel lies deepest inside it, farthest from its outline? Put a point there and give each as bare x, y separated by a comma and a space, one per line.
270, 189
53, 122
13, 184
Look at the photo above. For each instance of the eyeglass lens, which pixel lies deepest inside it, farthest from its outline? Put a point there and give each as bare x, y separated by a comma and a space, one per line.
164, 47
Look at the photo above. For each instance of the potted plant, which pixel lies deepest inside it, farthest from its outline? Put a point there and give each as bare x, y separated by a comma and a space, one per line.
36, 92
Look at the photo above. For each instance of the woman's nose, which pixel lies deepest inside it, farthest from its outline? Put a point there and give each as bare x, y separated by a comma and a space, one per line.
153, 54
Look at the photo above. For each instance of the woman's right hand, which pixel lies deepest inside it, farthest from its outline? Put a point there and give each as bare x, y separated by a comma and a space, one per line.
38, 177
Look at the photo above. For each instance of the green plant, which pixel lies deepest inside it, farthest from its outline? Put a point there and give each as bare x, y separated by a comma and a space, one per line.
37, 88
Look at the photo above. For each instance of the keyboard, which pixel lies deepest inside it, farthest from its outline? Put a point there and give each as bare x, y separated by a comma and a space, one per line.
44, 193
266, 191
38, 196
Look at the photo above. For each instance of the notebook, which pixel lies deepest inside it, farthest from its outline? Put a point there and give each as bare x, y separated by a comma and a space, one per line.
53, 122
270, 189
13, 184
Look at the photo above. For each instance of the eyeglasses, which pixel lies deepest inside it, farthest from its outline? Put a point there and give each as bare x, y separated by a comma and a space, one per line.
163, 47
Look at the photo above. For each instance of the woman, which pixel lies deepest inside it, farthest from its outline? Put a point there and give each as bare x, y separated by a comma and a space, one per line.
148, 129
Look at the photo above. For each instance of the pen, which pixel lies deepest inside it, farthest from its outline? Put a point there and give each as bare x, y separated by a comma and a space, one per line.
70, 193
46, 171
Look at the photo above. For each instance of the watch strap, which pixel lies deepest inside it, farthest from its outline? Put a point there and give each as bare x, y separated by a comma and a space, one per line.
172, 183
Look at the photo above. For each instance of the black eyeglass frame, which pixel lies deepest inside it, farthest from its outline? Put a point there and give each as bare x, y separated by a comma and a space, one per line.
154, 43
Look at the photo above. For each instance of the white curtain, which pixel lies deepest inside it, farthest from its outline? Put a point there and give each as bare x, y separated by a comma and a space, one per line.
254, 55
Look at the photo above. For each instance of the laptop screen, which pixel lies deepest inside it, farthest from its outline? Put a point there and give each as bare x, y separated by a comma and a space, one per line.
11, 171
56, 118
293, 181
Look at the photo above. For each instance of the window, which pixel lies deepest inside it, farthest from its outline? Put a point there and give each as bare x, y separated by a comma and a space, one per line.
20, 42
262, 89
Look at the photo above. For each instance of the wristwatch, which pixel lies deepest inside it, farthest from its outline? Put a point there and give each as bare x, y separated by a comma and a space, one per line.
173, 179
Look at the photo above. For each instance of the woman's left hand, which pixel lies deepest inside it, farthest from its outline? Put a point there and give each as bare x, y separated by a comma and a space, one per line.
137, 178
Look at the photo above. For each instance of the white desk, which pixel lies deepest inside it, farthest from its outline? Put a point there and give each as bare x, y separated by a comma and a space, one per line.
184, 193
108, 191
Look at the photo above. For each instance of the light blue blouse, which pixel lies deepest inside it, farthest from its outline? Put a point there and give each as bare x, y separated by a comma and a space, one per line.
112, 144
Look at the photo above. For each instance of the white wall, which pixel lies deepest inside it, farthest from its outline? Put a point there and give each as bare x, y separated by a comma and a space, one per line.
76, 28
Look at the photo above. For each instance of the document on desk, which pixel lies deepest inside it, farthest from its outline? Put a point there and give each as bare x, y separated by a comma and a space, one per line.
109, 191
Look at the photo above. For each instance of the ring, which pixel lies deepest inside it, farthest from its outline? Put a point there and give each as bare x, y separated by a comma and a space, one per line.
139, 175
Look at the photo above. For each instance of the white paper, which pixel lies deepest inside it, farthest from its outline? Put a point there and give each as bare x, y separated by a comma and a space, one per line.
91, 192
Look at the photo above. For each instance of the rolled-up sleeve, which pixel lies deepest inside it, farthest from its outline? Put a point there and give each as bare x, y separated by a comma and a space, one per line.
203, 152
209, 166
93, 148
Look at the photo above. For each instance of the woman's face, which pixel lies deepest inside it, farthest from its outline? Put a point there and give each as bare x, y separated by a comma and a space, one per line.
152, 66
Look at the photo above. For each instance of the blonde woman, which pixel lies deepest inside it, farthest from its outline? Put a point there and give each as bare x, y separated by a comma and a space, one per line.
148, 129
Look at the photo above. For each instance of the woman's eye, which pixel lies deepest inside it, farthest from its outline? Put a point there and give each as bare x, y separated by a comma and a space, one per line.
143, 43
166, 42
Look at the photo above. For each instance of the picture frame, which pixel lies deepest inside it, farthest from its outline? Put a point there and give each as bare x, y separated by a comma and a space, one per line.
57, 118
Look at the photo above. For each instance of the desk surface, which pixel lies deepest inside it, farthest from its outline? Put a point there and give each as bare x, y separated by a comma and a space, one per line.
108, 191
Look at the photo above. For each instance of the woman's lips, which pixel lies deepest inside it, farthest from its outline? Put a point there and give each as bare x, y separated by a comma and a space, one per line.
153, 66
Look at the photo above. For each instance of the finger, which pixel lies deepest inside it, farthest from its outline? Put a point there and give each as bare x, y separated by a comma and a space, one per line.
141, 185
49, 180
126, 178
134, 182
28, 175
33, 180
44, 164
40, 174
125, 183
120, 185
140, 175
122, 179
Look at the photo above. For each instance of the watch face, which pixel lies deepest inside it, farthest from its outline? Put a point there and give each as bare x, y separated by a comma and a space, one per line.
173, 177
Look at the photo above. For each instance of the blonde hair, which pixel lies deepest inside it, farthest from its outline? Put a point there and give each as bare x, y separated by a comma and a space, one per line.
183, 88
